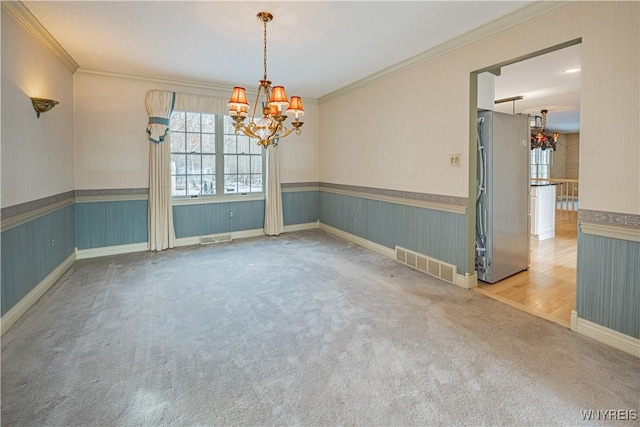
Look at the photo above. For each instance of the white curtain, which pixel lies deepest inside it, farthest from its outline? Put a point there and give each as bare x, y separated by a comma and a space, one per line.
273, 218
161, 232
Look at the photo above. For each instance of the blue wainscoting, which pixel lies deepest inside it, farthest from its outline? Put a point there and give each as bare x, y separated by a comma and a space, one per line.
608, 291
437, 234
300, 207
31, 251
102, 224
215, 218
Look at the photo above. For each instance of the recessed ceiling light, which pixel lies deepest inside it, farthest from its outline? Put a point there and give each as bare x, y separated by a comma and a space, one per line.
572, 70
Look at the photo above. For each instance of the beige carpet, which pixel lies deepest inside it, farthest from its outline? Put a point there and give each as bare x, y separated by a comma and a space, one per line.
302, 329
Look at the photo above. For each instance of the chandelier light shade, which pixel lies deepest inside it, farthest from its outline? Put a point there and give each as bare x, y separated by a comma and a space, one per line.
278, 97
238, 98
542, 138
268, 126
295, 107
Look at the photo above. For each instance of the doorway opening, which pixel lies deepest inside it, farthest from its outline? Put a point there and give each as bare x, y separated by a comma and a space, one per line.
547, 288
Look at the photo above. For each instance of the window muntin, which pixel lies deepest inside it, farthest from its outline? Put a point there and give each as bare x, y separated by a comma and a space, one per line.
207, 162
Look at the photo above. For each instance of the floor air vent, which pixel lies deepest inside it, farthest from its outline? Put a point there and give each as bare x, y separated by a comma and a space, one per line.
218, 238
434, 267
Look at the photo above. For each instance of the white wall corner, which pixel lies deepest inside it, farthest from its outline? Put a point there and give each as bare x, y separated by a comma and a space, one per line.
574, 320
18, 310
486, 91
31, 24
467, 281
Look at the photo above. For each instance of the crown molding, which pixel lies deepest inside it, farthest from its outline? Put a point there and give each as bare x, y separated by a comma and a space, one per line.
524, 14
152, 79
30, 23
166, 81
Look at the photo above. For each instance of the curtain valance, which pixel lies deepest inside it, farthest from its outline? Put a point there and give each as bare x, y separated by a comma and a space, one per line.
201, 104
159, 105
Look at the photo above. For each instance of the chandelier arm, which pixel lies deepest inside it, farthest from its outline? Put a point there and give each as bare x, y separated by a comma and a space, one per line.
248, 133
286, 132
255, 105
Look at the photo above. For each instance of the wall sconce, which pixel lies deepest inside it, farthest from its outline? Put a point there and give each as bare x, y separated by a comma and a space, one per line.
42, 105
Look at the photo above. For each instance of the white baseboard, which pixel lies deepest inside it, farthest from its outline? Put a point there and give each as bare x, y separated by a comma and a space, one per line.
195, 240
18, 310
605, 335
256, 232
111, 250
466, 281
382, 250
184, 241
301, 227
188, 241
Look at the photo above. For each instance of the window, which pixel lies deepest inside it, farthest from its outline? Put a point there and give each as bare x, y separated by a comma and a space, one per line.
541, 161
208, 159
193, 154
243, 162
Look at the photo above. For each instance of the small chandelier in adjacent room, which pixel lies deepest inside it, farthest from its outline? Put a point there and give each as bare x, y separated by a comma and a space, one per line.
268, 128
543, 138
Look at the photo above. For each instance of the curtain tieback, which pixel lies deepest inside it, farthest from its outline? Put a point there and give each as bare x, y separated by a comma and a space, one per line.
159, 120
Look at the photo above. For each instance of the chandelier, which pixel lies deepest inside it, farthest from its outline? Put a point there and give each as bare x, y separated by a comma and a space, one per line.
268, 128
543, 138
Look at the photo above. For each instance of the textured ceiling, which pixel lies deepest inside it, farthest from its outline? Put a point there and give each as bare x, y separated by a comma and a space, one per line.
314, 47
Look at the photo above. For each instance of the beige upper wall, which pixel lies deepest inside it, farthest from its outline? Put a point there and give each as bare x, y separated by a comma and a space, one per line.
398, 132
37, 154
112, 146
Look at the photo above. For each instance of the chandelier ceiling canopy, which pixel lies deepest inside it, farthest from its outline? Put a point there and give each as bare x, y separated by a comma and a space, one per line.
268, 127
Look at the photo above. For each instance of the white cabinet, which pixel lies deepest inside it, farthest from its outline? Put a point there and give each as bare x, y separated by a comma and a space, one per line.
543, 212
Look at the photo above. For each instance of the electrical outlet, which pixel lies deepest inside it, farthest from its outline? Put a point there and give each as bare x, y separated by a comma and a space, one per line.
454, 160
230, 214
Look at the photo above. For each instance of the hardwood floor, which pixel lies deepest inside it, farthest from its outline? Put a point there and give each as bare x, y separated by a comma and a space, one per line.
548, 288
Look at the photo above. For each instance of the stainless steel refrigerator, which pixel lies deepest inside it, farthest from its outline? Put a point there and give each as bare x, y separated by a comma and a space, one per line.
502, 197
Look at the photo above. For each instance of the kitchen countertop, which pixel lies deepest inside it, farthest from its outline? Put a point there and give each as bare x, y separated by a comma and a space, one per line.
543, 183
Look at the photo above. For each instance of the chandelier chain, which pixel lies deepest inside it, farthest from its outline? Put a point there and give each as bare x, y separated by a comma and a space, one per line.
265, 50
